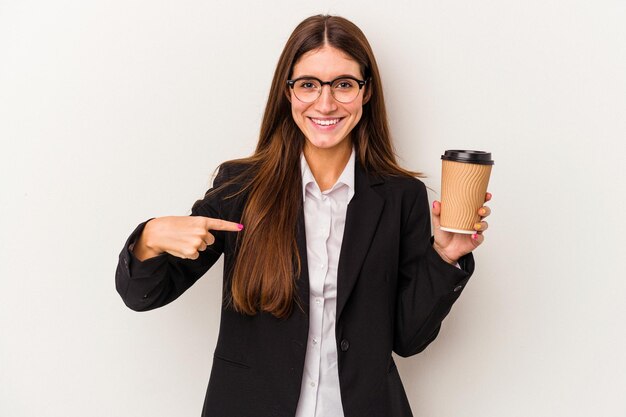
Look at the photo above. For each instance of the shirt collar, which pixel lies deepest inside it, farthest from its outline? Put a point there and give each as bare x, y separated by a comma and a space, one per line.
346, 177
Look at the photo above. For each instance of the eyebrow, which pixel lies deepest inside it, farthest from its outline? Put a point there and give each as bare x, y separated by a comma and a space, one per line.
339, 76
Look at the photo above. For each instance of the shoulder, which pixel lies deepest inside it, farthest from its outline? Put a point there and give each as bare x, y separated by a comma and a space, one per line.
393, 181
234, 171
227, 192
403, 182
404, 186
404, 196
407, 199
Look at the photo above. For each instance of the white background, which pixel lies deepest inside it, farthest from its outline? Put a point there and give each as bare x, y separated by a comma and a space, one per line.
112, 112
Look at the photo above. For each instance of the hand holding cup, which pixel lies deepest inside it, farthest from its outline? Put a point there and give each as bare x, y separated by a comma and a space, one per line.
452, 246
457, 219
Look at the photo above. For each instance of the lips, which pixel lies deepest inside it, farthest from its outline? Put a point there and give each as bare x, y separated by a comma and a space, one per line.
325, 122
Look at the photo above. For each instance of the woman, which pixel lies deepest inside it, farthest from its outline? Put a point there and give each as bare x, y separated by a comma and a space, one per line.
335, 267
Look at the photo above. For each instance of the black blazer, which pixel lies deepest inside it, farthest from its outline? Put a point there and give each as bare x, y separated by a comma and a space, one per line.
393, 292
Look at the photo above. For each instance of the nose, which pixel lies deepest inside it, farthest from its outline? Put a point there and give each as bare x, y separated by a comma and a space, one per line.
326, 102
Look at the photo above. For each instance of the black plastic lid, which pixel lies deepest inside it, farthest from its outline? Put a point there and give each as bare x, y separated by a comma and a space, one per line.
470, 157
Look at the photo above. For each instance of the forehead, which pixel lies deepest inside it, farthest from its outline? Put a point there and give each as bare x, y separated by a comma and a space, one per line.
326, 63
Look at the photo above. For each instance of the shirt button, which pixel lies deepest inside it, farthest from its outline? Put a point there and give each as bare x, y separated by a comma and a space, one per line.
313, 384
345, 345
318, 301
322, 266
315, 341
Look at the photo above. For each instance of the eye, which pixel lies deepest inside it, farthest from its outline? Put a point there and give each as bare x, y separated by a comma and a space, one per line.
344, 84
307, 84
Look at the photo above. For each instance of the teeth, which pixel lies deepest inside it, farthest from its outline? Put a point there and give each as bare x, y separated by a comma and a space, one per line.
326, 122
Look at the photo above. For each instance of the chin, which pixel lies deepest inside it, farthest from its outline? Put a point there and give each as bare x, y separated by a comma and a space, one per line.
325, 143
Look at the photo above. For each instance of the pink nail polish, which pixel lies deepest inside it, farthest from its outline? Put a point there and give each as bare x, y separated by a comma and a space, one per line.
240, 226
433, 204
475, 236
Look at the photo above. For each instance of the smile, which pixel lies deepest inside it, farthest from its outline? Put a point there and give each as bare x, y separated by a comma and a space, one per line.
325, 122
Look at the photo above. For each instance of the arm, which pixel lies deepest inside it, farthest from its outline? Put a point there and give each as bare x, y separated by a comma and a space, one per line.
428, 286
155, 281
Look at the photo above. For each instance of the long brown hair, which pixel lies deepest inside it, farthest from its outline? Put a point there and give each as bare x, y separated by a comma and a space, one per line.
267, 263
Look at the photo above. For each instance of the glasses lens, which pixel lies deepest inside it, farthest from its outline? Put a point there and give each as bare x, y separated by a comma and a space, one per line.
307, 90
345, 90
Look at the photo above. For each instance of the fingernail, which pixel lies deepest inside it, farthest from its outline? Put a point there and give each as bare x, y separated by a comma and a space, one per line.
240, 226
475, 236
482, 211
477, 226
434, 204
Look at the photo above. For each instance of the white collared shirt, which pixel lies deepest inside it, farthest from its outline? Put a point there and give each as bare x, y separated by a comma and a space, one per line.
324, 218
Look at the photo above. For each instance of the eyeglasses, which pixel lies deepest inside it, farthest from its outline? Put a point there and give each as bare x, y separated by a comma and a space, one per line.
343, 89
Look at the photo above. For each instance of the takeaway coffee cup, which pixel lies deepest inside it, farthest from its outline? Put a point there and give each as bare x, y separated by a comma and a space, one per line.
464, 179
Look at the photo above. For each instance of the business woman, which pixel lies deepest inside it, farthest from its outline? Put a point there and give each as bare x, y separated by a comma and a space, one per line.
329, 265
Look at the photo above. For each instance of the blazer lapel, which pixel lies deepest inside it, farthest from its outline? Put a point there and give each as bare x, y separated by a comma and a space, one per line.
302, 284
362, 217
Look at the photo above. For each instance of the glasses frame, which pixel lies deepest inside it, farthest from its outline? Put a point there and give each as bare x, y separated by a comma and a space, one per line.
361, 83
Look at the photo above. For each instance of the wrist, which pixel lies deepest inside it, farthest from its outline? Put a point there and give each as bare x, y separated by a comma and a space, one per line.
443, 255
147, 236
145, 247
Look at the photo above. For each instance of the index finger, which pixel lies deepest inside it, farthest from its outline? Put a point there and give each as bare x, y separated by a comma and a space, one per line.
218, 224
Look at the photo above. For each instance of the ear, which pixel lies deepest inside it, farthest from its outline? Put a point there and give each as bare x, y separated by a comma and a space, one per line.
288, 93
367, 94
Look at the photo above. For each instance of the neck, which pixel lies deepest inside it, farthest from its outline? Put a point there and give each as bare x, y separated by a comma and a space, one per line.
327, 164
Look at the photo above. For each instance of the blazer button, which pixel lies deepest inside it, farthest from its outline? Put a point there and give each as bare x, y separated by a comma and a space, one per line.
345, 345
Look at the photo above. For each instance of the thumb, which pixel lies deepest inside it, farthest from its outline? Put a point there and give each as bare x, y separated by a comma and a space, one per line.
436, 212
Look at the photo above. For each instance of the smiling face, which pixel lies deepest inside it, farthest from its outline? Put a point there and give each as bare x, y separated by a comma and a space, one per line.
327, 123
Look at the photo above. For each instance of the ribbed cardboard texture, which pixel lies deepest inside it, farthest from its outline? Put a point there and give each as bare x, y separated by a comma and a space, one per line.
463, 189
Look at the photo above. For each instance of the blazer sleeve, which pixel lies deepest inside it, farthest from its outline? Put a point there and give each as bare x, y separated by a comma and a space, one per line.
428, 286
157, 281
